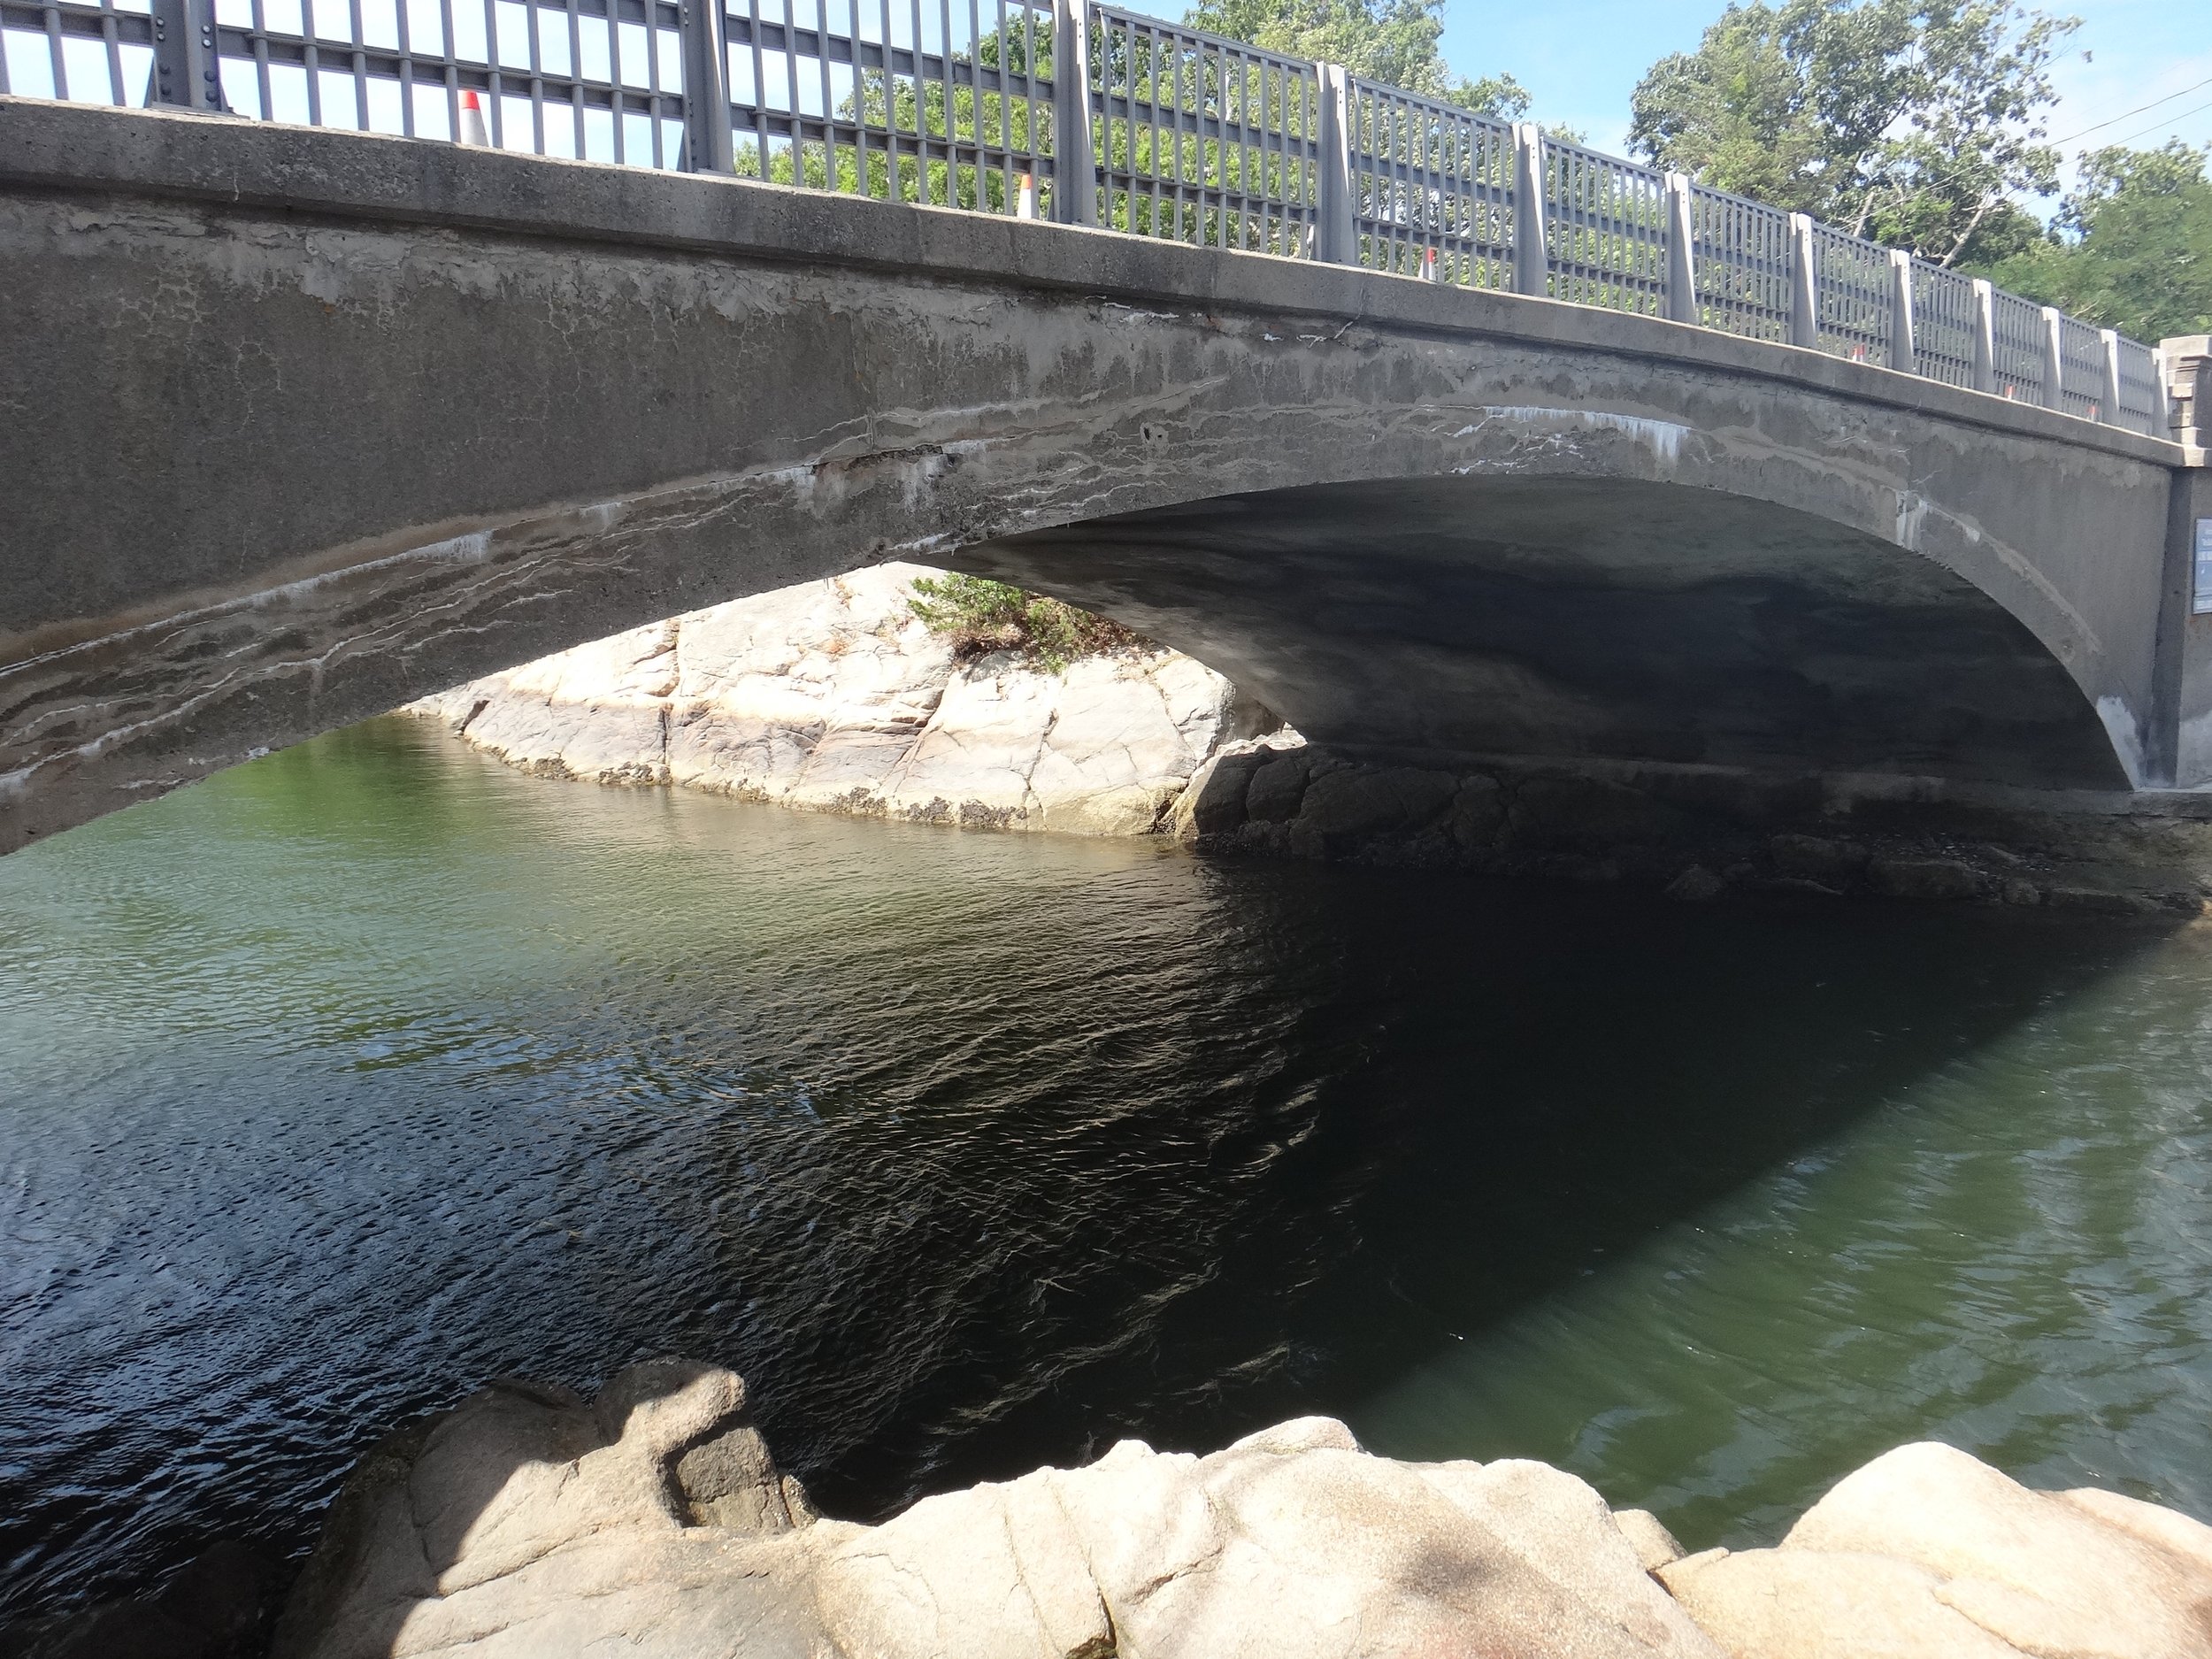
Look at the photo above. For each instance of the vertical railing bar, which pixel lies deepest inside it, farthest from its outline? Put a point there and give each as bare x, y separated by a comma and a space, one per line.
791, 88
495, 83
1186, 52
1005, 95
406, 70
831, 174
310, 60
760, 90
1152, 124
537, 75
914, 59
54, 52
262, 82
451, 76
359, 63
578, 104
117, 94
944, 82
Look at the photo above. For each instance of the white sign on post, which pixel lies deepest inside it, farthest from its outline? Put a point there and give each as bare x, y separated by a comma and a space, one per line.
2202, 602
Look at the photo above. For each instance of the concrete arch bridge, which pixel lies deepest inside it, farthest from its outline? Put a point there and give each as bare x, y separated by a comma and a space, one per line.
301, 424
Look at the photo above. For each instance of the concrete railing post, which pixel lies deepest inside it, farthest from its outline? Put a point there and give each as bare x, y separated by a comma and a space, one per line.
1903, 355
2186, 366
2109, 405
1532, 260
707, 146
1985, 334
1804, 283
2054, 357
186, 73
1681, 252
1074, 154
1336, 238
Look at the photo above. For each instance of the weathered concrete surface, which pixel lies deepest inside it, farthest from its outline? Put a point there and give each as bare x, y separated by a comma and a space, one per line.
304, 425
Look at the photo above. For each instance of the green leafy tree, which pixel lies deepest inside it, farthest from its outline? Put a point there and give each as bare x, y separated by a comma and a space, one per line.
1911, 121
2130, 248
1394, 42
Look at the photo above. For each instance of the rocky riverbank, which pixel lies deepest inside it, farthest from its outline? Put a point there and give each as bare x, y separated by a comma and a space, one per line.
654, 1522
835, 698
1702, 834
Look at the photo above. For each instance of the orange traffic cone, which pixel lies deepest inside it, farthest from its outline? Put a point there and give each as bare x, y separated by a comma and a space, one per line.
1025, 200
1431, 271
472, 130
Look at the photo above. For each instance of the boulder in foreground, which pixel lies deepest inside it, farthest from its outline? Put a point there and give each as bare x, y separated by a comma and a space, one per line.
653, 1522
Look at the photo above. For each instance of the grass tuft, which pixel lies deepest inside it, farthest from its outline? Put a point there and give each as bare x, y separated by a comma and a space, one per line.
980, 615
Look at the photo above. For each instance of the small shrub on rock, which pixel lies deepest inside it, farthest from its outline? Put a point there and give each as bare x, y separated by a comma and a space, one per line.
980, 615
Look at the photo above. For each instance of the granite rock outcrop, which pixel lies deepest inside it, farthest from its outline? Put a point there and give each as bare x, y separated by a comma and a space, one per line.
833, 696
653, 1521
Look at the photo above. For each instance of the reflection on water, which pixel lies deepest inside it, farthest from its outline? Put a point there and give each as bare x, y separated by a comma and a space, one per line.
351, 1078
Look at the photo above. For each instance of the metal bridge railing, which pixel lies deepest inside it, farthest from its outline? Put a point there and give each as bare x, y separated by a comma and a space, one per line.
1081, 112
1430, 188
1739, 265
1199, 139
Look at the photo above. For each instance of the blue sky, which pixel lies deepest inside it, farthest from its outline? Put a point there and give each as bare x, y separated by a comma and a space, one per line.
1580, 60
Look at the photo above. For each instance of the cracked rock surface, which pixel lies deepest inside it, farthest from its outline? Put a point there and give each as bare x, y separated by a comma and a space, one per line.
831, 695
653, 1522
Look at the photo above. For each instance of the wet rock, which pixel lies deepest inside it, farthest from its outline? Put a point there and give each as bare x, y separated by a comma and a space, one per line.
1798, 887
1697, 885
2100, 902
1582, 812
1213, 802
1338, 807
1647, 1536
1478, 813
1816, 859
1278, 787
1925, 879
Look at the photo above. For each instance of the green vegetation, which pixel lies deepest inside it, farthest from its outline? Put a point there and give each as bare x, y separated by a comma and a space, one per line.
1391, 40
978, 615
1912, 122
885, 105
2131, 248
1394, 42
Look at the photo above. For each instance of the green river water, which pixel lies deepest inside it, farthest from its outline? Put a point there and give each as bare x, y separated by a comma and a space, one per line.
351, 1078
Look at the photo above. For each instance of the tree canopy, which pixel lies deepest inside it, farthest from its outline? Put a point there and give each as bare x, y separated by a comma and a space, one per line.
2130, 248
1911, 121
1394, 42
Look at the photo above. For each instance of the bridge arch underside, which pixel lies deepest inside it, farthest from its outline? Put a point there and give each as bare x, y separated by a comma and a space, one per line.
1583, 618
